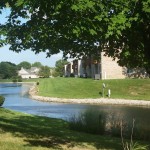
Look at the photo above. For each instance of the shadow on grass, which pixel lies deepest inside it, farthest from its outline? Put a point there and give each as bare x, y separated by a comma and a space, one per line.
51, 133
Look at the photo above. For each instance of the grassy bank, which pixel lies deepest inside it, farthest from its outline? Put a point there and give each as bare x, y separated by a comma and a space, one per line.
5, 80
89, 88
26, 132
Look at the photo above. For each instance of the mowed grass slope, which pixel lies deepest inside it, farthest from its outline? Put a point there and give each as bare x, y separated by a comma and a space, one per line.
88, 88
20, 131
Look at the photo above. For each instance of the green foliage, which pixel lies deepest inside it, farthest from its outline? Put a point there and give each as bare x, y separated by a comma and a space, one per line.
44, 72
24, 64
71, 75
55, 74
75, 26
19, 79
16, 79
2, 99
90, 122
37, 64
135, 146
59, 67
7, 70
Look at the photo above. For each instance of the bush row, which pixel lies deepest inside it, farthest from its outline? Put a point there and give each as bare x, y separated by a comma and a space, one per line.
17, 79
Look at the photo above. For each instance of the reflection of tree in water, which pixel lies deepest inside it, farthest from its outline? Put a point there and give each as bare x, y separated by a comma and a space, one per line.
123, 116
126, 115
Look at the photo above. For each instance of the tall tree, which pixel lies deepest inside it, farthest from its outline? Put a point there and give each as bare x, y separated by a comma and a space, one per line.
121, 28
59, 66
24, 64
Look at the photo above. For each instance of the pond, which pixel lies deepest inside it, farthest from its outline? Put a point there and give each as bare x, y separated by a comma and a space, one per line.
17, 98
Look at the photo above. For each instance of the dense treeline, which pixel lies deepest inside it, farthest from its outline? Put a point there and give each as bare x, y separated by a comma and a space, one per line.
10, 70
7, 70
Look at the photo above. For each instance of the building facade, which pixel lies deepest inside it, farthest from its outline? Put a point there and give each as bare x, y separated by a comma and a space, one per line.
110, 68
104, 68
29, 73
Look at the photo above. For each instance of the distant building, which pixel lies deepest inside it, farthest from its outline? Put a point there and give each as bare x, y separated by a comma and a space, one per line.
29, 73
104, 68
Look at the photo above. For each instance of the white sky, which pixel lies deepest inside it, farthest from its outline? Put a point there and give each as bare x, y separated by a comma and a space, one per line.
28, 55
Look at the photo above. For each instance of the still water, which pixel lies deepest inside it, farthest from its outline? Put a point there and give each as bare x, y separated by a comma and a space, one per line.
17, 98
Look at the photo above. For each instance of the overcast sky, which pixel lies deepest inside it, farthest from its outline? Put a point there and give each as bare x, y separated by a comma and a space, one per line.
7, 55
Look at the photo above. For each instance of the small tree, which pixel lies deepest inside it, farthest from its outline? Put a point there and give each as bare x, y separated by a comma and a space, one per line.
59, 67
44, 72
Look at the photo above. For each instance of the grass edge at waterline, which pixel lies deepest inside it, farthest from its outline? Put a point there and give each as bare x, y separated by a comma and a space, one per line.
59, 87
26, 132
30, 132
88, 88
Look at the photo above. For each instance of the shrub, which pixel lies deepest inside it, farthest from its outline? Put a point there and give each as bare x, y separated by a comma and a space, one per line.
19, 79
16, 79
2, 99
90, 121
72, 75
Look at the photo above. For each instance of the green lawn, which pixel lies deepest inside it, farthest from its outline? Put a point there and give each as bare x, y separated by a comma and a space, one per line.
20, 131
5, 80
89, 88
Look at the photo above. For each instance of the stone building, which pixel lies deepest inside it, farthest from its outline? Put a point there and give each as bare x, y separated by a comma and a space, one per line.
105, 68
110, 68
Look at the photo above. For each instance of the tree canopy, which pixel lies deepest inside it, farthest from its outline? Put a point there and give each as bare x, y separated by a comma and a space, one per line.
24, 64
121, 28
37, 64
7, 70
